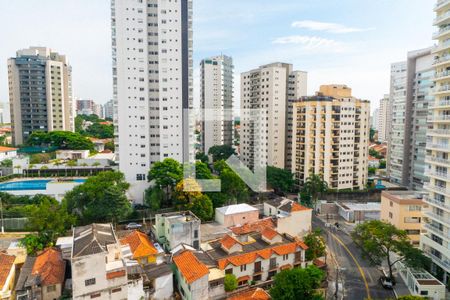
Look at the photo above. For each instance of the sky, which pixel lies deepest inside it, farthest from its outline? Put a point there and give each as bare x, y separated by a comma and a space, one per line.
351, 42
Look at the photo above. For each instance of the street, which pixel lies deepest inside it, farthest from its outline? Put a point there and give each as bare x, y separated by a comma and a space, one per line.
360, 279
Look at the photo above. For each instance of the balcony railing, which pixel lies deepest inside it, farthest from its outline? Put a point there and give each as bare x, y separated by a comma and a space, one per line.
441, 3
442, 102
441, 31
436, 230
441, 118
440, 218
438, 160
441, 60
442, 88
443, 147
438, 174
441, 17
436, 202
441, 261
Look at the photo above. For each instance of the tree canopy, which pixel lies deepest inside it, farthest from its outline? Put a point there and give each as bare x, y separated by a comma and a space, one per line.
166, 174
280, 180
314, 185
61, 139
100, 199
379, 240
297, 283
188, 196
316, 245
232, 186
221, 152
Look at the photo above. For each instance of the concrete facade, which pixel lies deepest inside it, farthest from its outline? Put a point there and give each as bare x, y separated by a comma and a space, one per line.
216, 101
383, 119
330, 137
237, 214
152, 77
173, 229
40, 93
267, 91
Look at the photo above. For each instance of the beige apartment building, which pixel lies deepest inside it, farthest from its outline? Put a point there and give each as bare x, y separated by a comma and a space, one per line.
403, 209
265, 95
436, 243
40, 92
330, 137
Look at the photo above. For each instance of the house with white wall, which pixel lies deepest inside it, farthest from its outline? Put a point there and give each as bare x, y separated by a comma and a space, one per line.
236, 214
7, 153
291, 217
191, 276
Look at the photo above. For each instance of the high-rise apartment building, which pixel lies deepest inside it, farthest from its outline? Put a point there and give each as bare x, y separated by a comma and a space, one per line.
268, 91
216, 96
412, 95
374, 119
383, 117
436, 242
84, 106
397, 99
109, 109
40, 92
152, 77
330, 137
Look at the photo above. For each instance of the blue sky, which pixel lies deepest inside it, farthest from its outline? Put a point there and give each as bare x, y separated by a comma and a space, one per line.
336, 41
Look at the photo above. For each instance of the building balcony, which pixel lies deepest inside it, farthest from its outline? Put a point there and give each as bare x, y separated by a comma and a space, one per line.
442, 60
435, 202
443, 248
444, 263
439, 218
441, 19
437, 160
441, 118
443, 89
439, 175
441, 5
441, 32
442, 75
442, 103
437, 231
439, 147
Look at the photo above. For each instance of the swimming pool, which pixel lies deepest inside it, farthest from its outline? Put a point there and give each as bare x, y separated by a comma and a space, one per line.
40, 184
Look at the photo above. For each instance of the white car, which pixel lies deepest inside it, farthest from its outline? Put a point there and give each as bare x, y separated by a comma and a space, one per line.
133, 226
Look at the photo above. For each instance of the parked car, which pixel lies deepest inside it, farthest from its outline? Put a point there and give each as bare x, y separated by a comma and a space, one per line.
386, 282
133, 226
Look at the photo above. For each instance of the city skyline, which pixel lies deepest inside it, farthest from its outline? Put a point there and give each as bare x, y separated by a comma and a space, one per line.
348, 46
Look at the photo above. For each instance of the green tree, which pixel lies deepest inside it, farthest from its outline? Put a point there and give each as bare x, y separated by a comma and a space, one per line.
221, 152
6, 163
110, 146
202, 207
202, 171
153, 198
280, 180
382, 164
316, 245
100, 199
233, 186
379, 240
71, 163
100, 131
230, 282
35, 242
410, 297
372, 170
202, 157
314, 185
61, 139
40, 158
297, 283
166, 174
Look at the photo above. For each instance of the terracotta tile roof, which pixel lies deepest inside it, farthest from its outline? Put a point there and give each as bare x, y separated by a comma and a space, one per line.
269, 233
298, 207
189, 266
115, 274
252, 294
7, 149
319, 263
257, 226
243, 278
302, 245
50, 267
228, 241
247, 258
6, 263
140, 244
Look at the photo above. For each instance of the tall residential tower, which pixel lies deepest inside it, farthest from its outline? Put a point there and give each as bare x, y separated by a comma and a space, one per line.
152, 76
382, 122
40, 92
216, 96
268, 90
436, 242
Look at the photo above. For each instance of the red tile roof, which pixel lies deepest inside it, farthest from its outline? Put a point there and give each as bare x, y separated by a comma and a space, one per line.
298, 207
228, 241
189, 266
115, 274
50, 267
250, 257
140, 244
269, 233
7, 149
257, 226
6, 263
252, 294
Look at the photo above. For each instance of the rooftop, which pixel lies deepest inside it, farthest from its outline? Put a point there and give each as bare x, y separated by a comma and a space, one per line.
140, 244
286, 205
211, 231
92, 239
155, 271
6, 263
7, 149
189, 266
236, 209
50, 267
369, 206
252, 294
403, 197
257, 226
180, 217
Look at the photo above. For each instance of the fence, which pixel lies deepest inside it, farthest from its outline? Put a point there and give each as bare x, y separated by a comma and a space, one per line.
15, 224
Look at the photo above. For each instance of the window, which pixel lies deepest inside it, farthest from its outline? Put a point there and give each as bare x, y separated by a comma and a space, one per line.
391, 203
414, 208
229, 271
243, 268
412, 231
140, 177
390, 215
51, 288
195, 245
412, 220
195, 234
90, 281
116, 290
95, 295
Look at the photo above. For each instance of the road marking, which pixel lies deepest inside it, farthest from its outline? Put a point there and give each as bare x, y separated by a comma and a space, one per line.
356, 262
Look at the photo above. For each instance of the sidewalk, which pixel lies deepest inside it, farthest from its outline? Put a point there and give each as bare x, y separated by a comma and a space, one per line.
400, 288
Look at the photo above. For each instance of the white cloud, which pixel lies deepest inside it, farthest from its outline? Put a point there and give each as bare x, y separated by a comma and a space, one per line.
328, 27
309, 42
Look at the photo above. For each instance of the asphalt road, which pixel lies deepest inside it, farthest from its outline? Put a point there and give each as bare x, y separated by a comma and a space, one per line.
361, 280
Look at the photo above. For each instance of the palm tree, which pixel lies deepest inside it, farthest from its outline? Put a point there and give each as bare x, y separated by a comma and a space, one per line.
314, 185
